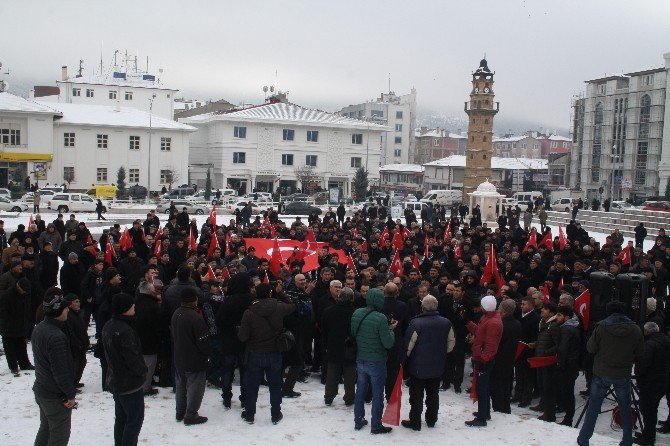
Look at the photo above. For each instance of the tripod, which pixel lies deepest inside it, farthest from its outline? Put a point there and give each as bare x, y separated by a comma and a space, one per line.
634, 397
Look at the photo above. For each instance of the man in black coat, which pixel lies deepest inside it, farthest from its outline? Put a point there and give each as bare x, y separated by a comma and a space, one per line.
15, 306
71, 274
132, 270
79, 341
547, 345
395, 309
455, 308
126, 370
503, 369
525, 376
568, 360
48, 266
335, 328
651, 370
151, 330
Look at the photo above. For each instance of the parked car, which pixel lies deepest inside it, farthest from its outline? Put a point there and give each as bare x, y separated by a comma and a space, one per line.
137, 192
13, 206
226, 194
258, 197
620, 206
255, 207
301, 208
509, 202
5, 192
191, 207
563, 204
102, 191
72, 202
178, 193
414, 206
44, 193
296, 197
663, 206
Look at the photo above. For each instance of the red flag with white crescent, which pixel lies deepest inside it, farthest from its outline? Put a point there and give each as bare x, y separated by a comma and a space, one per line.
548, 241
583, 307
192, 246
213, 244
625, 256
532, 240
562, 240
396, 264
212, 217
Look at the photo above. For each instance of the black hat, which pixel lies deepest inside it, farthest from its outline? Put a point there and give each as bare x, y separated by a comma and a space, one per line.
121, 303
111, 273
189, 294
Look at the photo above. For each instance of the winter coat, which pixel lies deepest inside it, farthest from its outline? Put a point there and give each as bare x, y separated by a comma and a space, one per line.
91, 286
172, 297
126, 369
395, 309
511, 334
69, 246
79, 341
335, 328
48, 268
569, 345
70, 278
15, 313
374, 337
150, 326
54, 368
548, 338
428, 339
262, 322
487, 337
653, 366
53, 237
8, 280
231, 310
190, 340
131, 272
614, 344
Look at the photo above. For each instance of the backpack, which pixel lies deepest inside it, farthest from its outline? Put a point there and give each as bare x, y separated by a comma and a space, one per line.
350, 346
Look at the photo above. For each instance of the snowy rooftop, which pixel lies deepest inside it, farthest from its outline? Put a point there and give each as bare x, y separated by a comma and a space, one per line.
131, 80
286, 113
402, 168
558, 138
11, 102
496, 163
510, 138
104, 115
437, 133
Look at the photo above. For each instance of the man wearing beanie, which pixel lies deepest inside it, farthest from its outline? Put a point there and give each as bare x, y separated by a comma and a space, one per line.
15, 312
79, 341
485, 341
190, 340
126, 370
54, 372
374, 335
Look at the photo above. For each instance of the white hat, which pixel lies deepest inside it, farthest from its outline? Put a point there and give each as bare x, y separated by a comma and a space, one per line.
489, 303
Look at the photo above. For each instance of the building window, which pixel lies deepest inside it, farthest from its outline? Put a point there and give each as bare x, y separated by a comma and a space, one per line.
134, 175
398, 139
565, 145
288, 134
356, 162
645, 115
397, 153
436, 143
112, 94
357, 138
287, 159
68, 139
129, 95
484, 140
398, 114
240, 132
76, 92
102, 141
134, 142
648, 79
11, 137
310, 160
166, 144
89, 93
398, 127
101, 176
166, 176
377, 113
313, 135
239, 157
641, 163
68, 174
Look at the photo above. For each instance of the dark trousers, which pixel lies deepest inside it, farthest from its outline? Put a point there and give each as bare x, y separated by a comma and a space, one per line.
270, 365
483, 388
417, 387
548, 386
128, 418
455, 367
650, 397
228, 365
190, 388
525, 381
337, 370
291, 377
55, 421
103, 367
501, 390
215, 368
566, 390
79, 360
392, 369
16, 352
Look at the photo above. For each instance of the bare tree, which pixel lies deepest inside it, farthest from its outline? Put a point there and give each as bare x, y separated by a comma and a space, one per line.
306, 176
68, 177
171, 176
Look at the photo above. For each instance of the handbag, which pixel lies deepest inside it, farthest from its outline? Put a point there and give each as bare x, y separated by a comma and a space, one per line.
350, 346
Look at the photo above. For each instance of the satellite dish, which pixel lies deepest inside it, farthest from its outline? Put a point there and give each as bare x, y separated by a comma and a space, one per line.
265, 88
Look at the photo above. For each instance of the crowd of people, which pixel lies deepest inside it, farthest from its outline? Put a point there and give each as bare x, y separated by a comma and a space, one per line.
182, 306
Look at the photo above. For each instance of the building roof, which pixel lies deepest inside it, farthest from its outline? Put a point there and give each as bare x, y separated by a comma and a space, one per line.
496, 163
437, 133
558, 138
511, 138
130, 81
110, 116
607, 78
416, 168
643, 72
286, 113
11, 102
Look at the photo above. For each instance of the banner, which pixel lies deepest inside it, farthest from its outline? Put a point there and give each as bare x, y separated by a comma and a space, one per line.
264, 248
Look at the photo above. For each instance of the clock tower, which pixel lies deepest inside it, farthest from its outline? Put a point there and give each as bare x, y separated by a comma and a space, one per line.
480, 110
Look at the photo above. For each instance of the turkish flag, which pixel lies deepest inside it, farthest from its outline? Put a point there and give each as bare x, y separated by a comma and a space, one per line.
31, 221
548, 241
213, 244
397, 241
562, 240
447, 233
212, 217
488, 269
406, 233
457, 251
396, 264
275, 259
545, 292
225, 274
210, 273
520, 347
583, 307
266, 279
415, 261
191, 242
350, 264
542, 361
625, 256
158, 246
392, 413
532, 240
560, 284
365, 245
384, 236
109, 250
125, 241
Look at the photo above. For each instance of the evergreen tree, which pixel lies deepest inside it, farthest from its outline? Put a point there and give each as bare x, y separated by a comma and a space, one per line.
208, 185
360, 184
121, 182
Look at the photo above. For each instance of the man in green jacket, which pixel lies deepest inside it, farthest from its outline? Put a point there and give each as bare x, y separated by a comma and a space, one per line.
374, 336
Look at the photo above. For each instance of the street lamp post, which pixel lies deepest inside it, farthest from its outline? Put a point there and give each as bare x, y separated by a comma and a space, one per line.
151, 108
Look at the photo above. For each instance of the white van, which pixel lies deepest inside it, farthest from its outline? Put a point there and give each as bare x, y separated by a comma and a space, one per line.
442, 197
414, 206
523, 198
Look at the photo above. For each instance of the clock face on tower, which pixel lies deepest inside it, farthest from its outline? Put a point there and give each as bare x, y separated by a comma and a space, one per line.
477, 90
486, 90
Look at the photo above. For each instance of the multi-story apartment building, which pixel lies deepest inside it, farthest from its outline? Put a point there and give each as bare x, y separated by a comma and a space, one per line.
434, 144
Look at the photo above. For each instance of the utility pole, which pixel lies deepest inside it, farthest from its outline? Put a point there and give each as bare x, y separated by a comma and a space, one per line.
151, 108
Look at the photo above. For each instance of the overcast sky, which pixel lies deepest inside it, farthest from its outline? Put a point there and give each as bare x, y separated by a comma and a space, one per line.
334, 53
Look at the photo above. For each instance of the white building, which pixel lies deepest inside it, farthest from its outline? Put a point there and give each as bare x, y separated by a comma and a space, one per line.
280, 146
397, 112
120, 88
402, 177
88, 144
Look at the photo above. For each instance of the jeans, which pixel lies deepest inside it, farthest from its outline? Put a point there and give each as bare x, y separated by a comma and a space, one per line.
484, 391
55, 421
229, 363
270, 365
599, 387
416, 390
190, 388
370, 373
150, 361
128, 418
215, 369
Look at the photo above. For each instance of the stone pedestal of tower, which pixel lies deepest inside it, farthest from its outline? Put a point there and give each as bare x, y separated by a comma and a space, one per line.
480, 110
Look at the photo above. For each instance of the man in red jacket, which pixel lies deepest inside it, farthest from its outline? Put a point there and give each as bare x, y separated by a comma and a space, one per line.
487, 335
